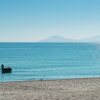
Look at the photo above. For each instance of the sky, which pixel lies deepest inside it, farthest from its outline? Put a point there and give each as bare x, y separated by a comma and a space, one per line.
33, 20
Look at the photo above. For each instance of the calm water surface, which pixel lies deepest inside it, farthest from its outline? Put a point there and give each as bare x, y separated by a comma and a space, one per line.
35, 61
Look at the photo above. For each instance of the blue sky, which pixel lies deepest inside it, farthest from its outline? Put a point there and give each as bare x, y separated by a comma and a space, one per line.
33, 20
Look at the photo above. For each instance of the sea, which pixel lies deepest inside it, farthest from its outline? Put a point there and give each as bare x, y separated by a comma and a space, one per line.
49, 61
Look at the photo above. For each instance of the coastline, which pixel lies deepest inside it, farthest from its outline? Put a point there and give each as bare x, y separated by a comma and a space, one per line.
64, 89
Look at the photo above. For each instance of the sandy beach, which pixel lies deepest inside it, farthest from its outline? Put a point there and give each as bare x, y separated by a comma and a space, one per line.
70, 89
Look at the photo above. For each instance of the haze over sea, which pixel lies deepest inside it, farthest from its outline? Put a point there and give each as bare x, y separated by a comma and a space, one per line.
36, 61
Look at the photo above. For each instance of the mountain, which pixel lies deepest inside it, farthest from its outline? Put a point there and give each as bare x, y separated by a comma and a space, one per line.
57, 39
92, 39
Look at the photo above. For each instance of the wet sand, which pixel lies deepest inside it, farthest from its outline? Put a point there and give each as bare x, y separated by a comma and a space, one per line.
69, 89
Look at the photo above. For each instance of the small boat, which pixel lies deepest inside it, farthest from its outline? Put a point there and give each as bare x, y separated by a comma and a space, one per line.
6, 70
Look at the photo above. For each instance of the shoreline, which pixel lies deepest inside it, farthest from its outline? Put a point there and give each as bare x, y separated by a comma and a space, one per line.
50, 79
64, 89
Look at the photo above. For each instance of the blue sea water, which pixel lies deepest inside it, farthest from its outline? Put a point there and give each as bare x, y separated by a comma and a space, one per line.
46, 61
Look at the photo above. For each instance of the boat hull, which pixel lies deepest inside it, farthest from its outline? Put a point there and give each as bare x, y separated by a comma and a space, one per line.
6, 70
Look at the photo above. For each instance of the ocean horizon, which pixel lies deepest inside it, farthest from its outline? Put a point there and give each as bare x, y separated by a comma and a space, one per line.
49, 61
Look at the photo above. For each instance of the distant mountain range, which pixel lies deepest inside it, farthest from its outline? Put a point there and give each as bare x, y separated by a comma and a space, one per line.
92, 39
63, 39
57, 39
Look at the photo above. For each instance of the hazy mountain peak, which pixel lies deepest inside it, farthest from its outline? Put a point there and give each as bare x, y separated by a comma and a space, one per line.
57, 38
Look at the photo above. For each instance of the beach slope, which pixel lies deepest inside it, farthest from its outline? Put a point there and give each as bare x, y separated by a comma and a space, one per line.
70, 89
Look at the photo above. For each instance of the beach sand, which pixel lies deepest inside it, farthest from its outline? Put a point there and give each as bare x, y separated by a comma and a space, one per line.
69, 89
